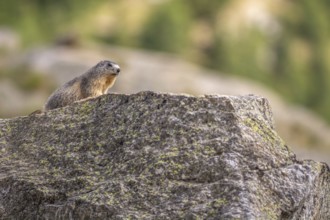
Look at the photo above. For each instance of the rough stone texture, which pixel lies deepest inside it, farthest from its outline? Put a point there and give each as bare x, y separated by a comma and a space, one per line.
156, 156
302, 130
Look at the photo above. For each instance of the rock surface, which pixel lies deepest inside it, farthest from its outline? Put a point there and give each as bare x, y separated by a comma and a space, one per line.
304, 131
156, 156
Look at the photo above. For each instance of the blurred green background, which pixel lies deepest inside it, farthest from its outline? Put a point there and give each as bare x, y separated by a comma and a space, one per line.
283, 44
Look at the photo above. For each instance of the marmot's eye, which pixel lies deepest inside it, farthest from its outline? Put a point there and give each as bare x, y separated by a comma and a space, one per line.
109, 65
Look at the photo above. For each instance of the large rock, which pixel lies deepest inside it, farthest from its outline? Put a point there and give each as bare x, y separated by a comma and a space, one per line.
305, 132
156, 156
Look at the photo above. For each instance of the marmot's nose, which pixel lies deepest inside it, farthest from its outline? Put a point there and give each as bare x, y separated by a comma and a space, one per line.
118, 70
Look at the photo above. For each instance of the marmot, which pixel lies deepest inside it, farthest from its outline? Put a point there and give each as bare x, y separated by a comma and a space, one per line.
95, 82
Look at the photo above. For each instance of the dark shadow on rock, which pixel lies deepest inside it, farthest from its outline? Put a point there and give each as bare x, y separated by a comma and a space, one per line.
156, 156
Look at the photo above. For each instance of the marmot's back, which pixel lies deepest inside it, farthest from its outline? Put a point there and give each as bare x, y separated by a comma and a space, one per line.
96, 81
70, 92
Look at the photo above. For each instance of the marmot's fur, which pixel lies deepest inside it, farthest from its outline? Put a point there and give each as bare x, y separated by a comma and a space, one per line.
95, 82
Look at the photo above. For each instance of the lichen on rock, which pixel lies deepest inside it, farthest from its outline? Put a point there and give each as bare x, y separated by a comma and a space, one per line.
156, 156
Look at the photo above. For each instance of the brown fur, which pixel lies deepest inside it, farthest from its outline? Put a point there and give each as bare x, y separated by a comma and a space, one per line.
95, 82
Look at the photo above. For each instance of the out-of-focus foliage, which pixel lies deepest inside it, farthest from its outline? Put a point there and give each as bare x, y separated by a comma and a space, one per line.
168, 28
293, 60
27, 80
287, 46
302, 56
204, 9
41, 20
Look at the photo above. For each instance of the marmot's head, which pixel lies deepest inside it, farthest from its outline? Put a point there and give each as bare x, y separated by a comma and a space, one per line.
106, 68
105, 74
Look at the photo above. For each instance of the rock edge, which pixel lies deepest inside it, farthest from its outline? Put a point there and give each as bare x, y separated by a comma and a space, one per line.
156, 156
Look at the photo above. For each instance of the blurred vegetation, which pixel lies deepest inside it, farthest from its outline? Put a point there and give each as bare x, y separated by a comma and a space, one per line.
167, 28
27, 80
290, 56
42, 20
